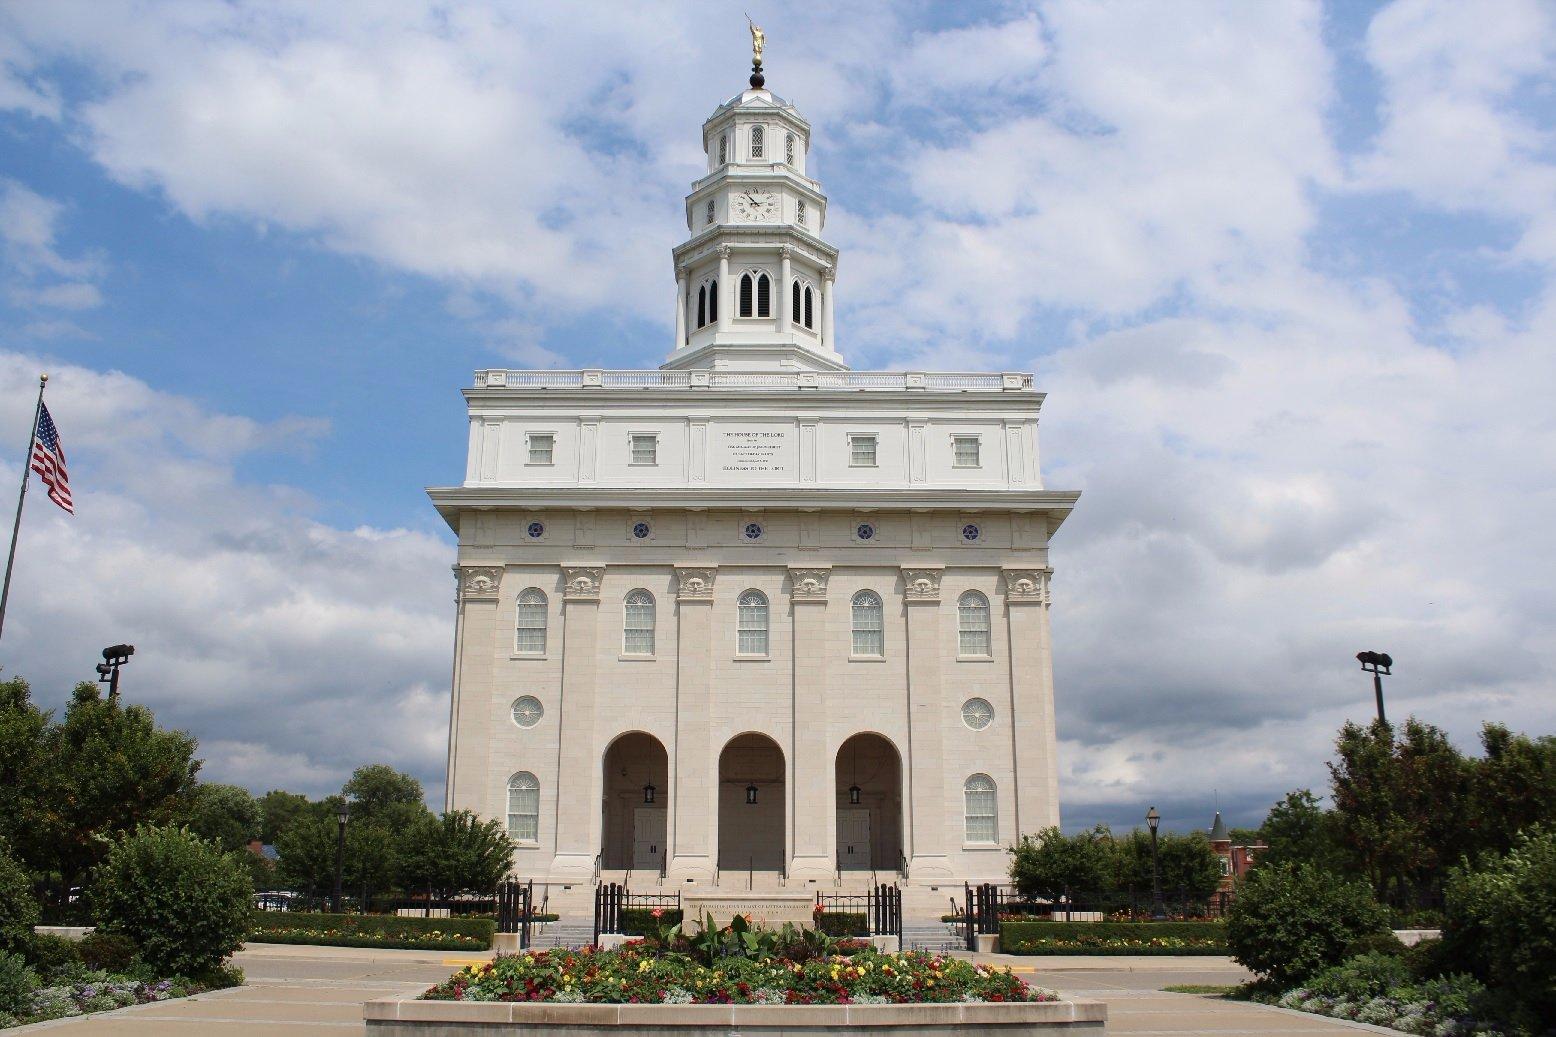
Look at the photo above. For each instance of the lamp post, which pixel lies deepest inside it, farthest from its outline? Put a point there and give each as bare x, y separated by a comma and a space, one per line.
342, 815
114, 656
1378, 664
1158, 911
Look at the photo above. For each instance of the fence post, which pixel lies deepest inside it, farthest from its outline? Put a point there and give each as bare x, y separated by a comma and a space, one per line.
529, 914
967, 916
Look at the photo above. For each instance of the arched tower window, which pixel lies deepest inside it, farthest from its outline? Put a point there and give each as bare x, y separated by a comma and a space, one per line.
752, 624
808, 322
713, 301
981, 809
764, 296
788, 148
530, 624
745, 295
972, 624
702, 306
723, 149
794, 310
524, 807
757, 135
710, 211
869, 635
799, 211
637, 633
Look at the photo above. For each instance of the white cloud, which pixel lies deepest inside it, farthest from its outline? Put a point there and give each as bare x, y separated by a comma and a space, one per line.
38, 275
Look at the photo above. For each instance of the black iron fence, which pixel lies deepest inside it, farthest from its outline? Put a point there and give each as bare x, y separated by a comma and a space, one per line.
515, 902
986, 905
876, 912
614, 905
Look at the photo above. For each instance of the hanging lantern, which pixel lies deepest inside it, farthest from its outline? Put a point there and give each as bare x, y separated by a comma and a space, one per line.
853, 794
750, 794
648, 792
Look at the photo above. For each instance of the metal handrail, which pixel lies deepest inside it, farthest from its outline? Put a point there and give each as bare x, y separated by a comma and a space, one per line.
595, 881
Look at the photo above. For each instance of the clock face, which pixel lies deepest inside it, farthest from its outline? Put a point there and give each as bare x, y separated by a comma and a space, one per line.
755, 206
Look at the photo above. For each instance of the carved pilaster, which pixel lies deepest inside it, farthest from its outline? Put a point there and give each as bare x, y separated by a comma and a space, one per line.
724, 251
694, 583
1027, 586
582, 582
809, 584
478, 582
921, 584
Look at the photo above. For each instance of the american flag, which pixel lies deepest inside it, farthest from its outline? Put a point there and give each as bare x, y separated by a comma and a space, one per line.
48, 460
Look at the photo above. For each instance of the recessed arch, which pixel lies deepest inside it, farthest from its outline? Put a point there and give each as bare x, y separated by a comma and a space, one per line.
634, 803
867, 776
752, 804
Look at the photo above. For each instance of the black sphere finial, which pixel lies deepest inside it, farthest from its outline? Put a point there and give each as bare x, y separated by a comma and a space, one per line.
757, 80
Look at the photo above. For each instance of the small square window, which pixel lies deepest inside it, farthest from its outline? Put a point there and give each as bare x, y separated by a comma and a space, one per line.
861, 451
645, 449
542, 447
965, 452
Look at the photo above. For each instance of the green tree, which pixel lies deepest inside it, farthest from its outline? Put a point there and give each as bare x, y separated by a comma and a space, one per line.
277, 809
454, 853
306, 850
22, 767
376, 788
1298, 830
18, 905
1514, 786
1051, 864
1187, 865
225, 814
1290, 922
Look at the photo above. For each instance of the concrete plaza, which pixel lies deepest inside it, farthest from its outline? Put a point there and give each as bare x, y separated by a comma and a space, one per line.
319, 992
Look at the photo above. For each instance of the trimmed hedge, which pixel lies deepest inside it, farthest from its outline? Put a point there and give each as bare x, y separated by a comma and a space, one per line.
1102, 938
449, 934
842, 923
640, 921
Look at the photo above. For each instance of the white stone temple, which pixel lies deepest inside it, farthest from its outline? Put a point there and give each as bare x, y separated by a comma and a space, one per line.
754, 618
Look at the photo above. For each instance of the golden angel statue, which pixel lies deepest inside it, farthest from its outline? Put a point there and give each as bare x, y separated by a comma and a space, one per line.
758, 41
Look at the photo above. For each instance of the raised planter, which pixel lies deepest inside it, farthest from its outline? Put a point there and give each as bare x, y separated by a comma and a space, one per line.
454, 1018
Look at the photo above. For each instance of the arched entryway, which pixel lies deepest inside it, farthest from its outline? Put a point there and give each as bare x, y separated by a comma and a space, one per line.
751, 804
869, 804
637, 793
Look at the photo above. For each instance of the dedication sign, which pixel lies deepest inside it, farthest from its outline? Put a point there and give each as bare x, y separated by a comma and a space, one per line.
753, 453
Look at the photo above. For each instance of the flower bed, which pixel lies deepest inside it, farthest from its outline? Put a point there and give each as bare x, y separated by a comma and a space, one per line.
1380, 989
1103, 938
389, 931
86, 992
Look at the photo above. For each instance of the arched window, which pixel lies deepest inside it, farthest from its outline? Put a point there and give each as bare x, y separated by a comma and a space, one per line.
530, 625
788, 149
723, 149
702, 306
764, 296
794, 310
982, 809
808, 322
637, 634
713, 301
972, 624
752, 624
524, 807
757, 135
745, 295
869, 637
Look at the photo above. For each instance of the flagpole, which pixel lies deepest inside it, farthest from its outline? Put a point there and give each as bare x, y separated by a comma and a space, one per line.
21, 498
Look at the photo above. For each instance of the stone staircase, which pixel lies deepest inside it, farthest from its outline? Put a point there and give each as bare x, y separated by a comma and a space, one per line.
569, 932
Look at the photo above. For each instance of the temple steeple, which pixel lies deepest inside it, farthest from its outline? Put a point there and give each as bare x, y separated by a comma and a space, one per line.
754, 279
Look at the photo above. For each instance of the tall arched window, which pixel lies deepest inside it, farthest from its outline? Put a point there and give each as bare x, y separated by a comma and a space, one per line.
752, 624
713, 301
745, 295
981, 810
524, 807
757, 141
530, 625
637, 634
723, 149
808, 322
788, 149
702, 306
794, 310
972, 624
764, 296
869, 635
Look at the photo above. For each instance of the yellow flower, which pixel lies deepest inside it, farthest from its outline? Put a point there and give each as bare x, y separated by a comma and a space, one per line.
929, 982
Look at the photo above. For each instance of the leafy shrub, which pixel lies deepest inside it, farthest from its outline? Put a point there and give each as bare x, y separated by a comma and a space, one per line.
640, 921
1290, 922
842, 923
180, 898
1113, 937
111, 952
49, 954
303, 927
1361, 977
17, 982
18, 906
1376, 943
1501, 923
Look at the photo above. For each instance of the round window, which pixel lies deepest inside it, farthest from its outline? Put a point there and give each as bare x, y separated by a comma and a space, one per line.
971, 532
865, 531
753, 531
536, 530
641, 530
527, 711
977, 714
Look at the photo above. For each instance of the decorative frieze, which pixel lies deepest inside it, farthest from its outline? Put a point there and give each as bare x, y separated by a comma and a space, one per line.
921, 584
478, 582
582, 582
694, 583
808, 584
1027, 586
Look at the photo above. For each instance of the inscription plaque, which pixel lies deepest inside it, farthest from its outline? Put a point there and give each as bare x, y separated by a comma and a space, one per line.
769, 909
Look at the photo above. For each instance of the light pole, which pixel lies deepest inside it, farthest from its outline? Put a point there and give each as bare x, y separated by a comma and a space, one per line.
342, 815
114, 656
1378, 664
1158, 911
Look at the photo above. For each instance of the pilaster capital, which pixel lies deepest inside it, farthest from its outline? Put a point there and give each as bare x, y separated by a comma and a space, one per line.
724, 251
829, 272
809, 584
785, 251
682, 273
921, 584
477, 582
694, 583
1027, 586
582, 582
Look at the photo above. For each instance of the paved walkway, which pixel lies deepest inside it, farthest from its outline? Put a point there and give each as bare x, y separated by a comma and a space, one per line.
319, 991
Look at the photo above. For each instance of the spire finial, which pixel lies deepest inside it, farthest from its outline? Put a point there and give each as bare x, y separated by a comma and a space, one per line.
758, 41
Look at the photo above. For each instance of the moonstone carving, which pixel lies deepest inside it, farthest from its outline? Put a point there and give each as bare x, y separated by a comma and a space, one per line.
582, 582
922, 584
694, 584
809, 584
1027, 586
478, 582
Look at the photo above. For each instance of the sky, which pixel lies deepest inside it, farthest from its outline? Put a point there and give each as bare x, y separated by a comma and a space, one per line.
1287, 272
